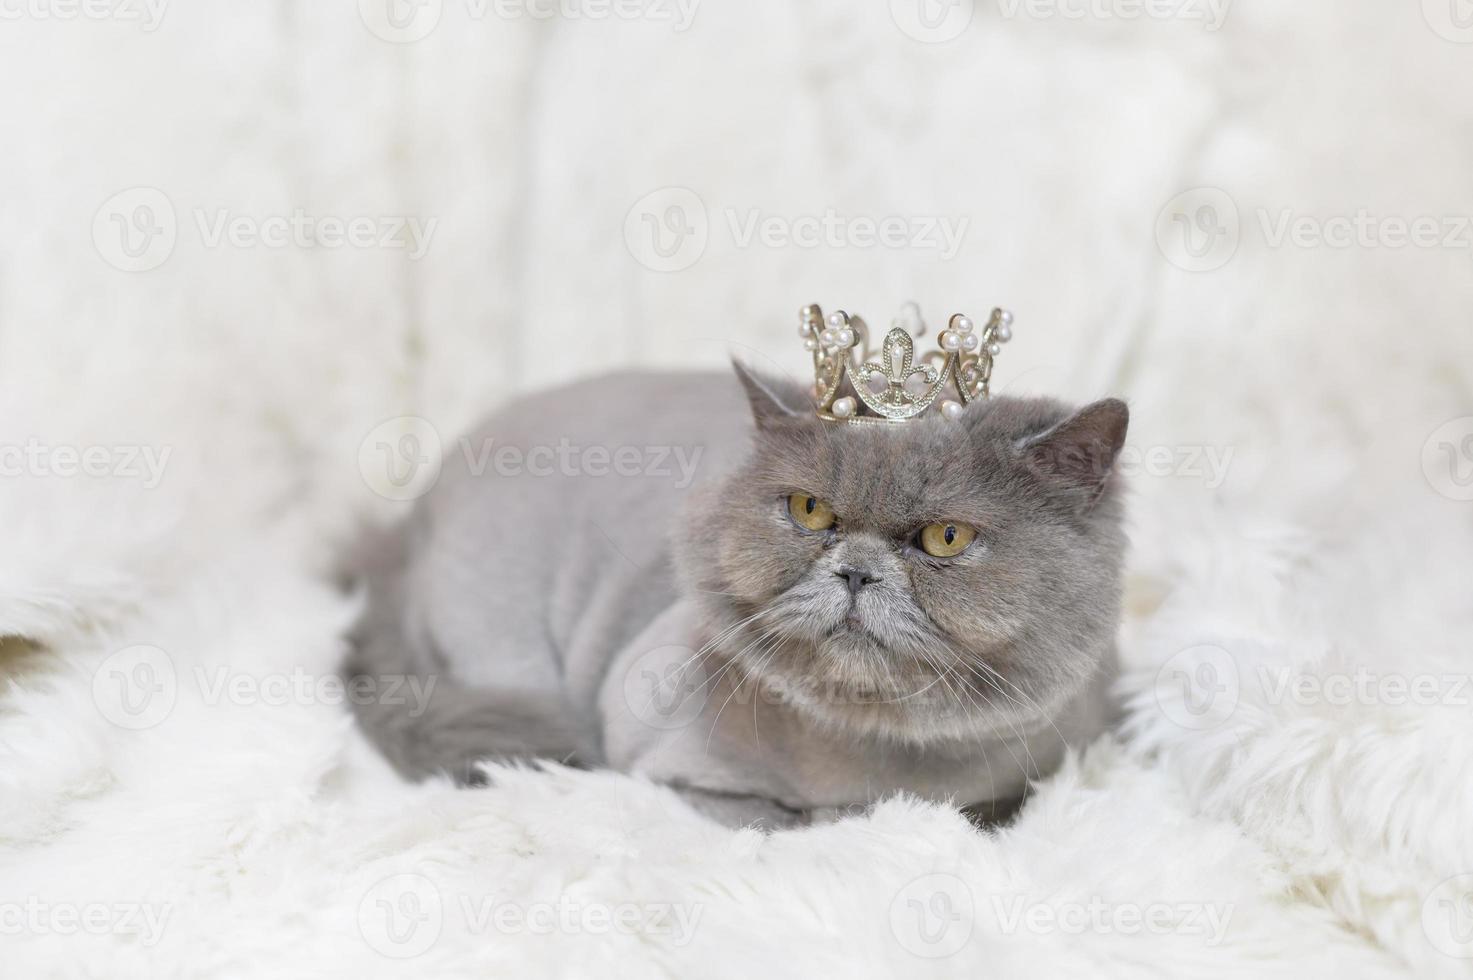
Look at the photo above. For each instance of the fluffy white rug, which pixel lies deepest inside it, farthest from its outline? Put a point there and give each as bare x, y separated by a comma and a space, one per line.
181, 793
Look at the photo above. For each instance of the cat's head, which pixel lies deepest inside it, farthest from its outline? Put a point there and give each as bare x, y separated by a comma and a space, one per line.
929, 579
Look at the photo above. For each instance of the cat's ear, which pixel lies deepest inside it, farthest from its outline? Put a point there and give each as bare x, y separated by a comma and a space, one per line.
769, 406
1077, 455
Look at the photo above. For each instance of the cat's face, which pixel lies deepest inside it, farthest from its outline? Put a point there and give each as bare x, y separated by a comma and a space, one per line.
923, 580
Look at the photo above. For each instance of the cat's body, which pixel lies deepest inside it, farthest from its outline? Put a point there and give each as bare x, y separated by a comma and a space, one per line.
574, 599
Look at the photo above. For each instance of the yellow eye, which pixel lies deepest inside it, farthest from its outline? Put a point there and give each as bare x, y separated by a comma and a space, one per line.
946, 540
810, 512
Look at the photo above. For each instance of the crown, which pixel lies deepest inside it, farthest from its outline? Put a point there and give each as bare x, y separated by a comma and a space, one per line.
899, 385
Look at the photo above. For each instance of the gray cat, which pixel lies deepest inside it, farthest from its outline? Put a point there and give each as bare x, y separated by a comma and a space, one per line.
782, 620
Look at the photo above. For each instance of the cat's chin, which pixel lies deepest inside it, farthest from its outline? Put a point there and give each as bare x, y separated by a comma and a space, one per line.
851, 682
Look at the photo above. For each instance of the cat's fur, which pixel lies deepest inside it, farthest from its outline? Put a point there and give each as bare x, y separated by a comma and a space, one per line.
698, 636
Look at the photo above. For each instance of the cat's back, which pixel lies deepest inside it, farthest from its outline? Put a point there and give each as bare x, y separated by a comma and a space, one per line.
548, 530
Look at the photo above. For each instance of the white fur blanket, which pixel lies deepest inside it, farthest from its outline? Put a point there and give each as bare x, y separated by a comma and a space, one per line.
186, 381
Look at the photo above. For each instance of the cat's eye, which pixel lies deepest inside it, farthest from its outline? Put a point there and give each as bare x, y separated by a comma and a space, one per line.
946, 540
810, 512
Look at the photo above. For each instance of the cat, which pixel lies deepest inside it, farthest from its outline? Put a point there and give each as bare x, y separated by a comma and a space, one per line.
813, 616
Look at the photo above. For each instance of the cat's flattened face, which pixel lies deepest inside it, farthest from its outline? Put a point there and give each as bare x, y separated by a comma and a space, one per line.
868, 618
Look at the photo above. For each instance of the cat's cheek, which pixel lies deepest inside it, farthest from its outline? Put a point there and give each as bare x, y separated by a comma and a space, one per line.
760, 561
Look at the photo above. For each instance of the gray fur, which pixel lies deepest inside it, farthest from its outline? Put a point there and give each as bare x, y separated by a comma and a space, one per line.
697, 636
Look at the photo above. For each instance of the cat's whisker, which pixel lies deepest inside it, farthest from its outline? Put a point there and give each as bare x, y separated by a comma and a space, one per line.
768, 643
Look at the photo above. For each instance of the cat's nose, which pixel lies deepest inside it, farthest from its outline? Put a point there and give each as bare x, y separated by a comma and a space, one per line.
857, 578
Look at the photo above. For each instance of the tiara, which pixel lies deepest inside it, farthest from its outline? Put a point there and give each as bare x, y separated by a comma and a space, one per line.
899, 385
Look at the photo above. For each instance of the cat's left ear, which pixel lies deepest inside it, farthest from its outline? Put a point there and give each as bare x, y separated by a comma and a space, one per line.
769, 405
1078, 454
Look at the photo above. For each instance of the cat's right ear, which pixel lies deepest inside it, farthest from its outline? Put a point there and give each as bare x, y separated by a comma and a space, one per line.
768, 404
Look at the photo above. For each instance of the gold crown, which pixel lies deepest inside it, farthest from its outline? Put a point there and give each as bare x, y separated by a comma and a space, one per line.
900, 385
